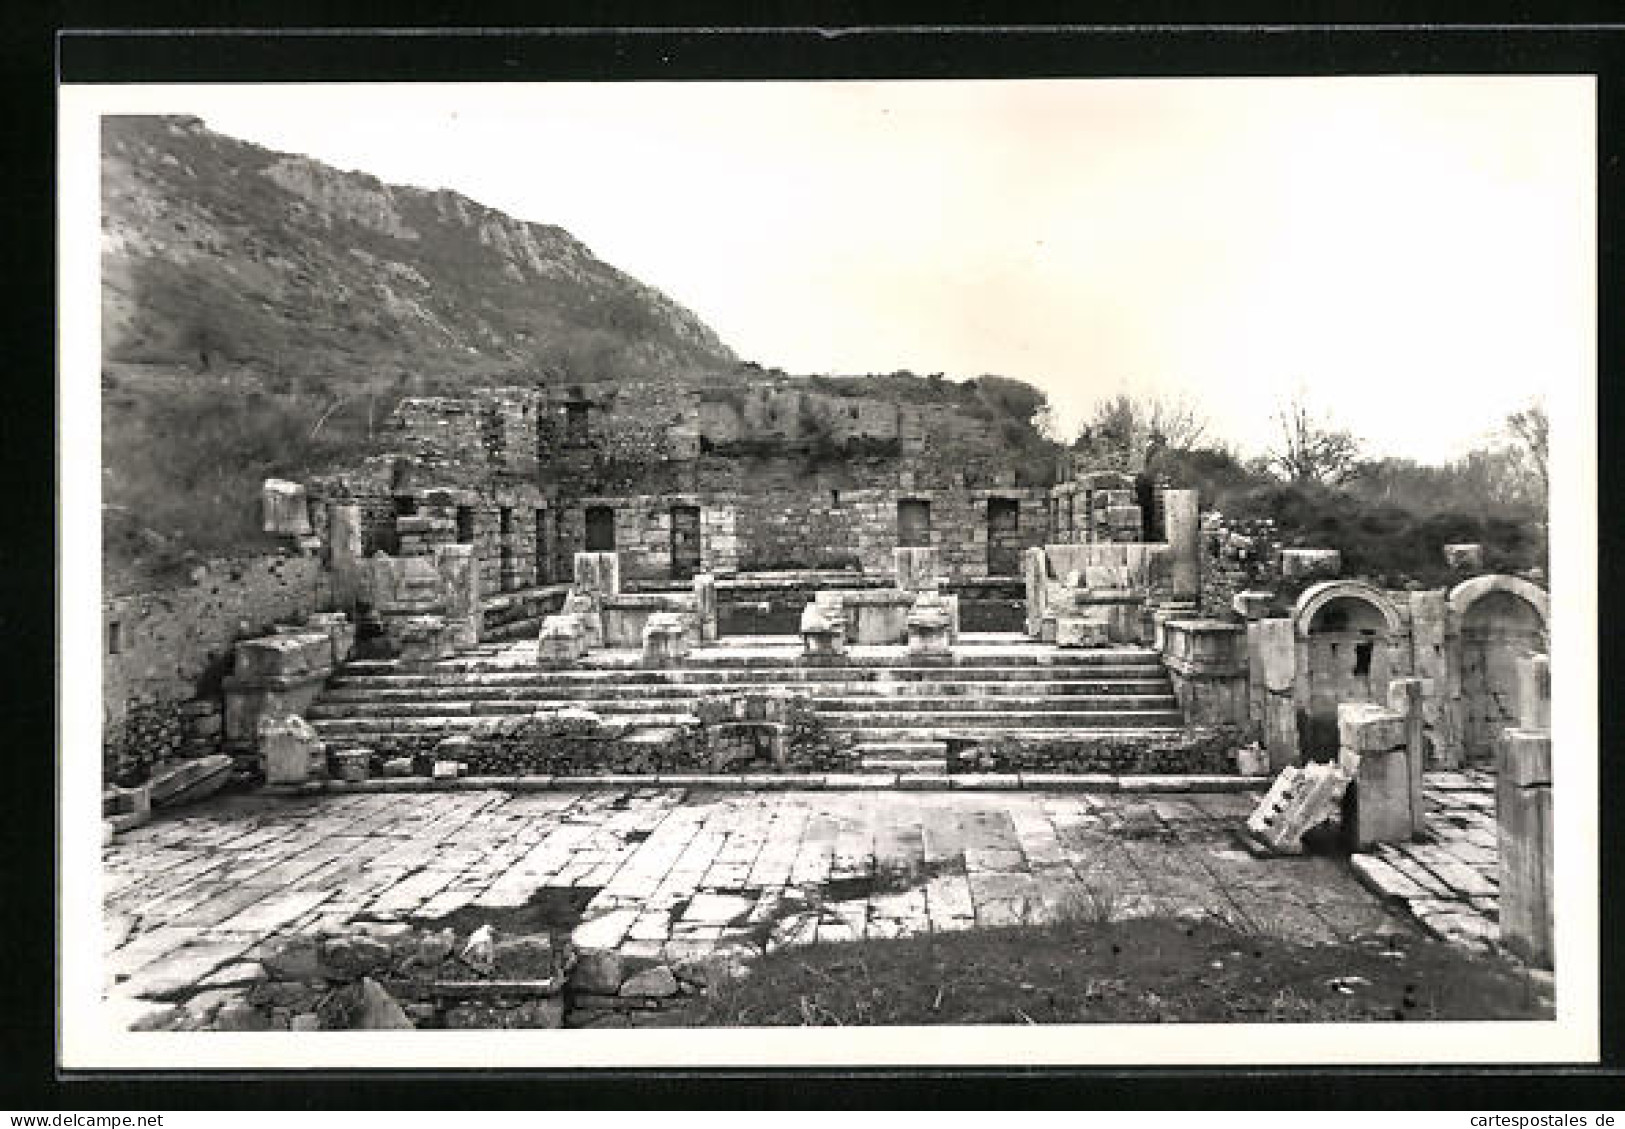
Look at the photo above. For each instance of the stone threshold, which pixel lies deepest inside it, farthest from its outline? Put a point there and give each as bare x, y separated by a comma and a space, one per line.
809, 782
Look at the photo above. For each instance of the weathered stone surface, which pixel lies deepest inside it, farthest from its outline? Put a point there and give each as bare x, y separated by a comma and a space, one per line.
917, 568
1081, 631
290, 751
666, 638
1534, 707
1181, 527
1464, 557
657, 982
598, 572
1252, 604
398, 766
479, 951
598, 971
284, 508
1365, 727
352, 764
290, 654
1300, 800
1526, 758
377, 1010
184, 782
353, 956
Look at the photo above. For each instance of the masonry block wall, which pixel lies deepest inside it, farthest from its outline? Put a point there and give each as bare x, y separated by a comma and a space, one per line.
163, 648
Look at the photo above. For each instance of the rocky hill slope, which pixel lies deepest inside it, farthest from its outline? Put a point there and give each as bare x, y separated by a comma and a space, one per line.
218, 254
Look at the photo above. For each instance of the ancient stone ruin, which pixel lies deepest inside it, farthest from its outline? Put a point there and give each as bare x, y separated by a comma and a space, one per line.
675, 582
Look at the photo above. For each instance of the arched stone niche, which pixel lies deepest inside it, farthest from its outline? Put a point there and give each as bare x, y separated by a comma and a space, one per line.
1350, 644
1496, 620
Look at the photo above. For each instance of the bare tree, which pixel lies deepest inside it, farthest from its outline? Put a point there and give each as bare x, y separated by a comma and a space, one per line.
1532, 428
1311, 450
1144, 427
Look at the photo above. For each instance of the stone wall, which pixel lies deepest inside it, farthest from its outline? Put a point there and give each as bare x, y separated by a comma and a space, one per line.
161, 649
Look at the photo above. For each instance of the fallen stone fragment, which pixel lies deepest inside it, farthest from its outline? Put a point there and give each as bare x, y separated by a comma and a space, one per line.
599, 972
658, 982
479, 953
240, 1016
398, 766
378, 1010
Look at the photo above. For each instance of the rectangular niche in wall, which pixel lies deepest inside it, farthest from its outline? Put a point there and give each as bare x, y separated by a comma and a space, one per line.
544, 550
913, 523
685, 542
465, 525
575, 424
600, 529
1003, 537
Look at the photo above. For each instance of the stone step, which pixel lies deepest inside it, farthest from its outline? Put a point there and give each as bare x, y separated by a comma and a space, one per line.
1013, 719
460, 706
610, 691
1091, 735
904, 765
684, 676
720, 659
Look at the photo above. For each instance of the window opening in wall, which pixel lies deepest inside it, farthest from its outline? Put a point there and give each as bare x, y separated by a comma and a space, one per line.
600, 529
113, 640
505, 514
405, 505
853, 411
913, 523
835, 499
465, 525
1362, 657
575, 423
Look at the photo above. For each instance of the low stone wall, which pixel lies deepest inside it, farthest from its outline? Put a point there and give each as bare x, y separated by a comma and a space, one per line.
163, 650
1207, 752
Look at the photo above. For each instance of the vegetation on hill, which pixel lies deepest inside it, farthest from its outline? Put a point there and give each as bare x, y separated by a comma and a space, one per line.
218, 253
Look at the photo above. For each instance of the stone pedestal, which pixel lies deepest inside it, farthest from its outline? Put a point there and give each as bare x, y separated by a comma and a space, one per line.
274, 676
822, 635
284, 508
290, 751
1523, 813
929, 627
1373, 753
562, 640
598, 572
1207, 664
665, 639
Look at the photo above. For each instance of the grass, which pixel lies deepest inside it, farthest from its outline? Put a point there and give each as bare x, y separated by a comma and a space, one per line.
1087, 966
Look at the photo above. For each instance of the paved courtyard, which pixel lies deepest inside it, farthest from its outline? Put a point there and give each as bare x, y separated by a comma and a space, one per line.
667, 873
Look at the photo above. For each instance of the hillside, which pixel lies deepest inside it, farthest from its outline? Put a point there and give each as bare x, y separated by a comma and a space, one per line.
220, 255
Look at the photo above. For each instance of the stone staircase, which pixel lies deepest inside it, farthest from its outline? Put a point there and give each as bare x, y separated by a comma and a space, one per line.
900, 709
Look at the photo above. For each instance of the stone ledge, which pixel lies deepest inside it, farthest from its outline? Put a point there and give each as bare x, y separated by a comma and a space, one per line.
761, 782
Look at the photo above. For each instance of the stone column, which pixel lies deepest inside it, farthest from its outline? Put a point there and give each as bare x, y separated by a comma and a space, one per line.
1276, 659
1430, 662
344, 559
1405, 696
705, 601
1523, 810
1184, 544
460, 588
1034, 571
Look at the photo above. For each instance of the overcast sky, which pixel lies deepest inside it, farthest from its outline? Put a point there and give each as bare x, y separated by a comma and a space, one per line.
1417, 254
